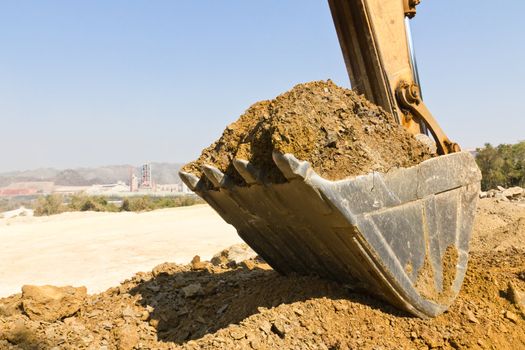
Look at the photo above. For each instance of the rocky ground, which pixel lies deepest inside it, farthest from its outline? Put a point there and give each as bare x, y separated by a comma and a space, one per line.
238, 302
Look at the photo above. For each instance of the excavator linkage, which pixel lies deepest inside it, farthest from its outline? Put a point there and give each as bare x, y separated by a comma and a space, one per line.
402, 235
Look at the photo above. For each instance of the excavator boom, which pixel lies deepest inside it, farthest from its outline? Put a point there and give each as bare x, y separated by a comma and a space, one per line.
375, 40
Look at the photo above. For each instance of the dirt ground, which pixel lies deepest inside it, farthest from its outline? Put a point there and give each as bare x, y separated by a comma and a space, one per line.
339, 132
99, 250
223, 305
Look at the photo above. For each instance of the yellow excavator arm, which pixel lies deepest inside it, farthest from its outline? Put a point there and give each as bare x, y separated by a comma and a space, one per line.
404, 234
375, 39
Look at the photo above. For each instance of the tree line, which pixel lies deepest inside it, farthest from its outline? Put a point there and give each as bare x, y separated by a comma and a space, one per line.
56, 204
503, 165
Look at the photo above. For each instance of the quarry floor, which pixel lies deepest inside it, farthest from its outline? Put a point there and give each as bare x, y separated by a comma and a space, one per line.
99, 250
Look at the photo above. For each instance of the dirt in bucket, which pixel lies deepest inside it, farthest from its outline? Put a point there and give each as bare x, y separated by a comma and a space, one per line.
337, 131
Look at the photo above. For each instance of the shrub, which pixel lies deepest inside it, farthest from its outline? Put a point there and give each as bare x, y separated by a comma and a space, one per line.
503, 165
151, 203
90, 203
49, 205
53, 204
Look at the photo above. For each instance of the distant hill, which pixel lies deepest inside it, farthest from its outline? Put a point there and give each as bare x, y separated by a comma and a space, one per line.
163, 173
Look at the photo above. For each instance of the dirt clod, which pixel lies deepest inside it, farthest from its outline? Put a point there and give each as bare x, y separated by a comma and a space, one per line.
511, 316
233, 255
197, 264
50, 303
516, 296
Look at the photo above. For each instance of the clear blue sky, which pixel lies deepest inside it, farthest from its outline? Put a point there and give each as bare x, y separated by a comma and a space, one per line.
96, 82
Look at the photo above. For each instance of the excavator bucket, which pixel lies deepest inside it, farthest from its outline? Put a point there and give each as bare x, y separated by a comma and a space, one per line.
404, 234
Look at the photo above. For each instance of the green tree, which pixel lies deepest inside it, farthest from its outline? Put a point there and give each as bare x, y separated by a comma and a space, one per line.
503, 165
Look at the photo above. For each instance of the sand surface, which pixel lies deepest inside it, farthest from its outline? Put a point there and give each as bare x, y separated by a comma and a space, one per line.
99, 250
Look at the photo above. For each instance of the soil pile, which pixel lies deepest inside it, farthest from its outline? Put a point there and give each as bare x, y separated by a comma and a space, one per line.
246, 305
339, 132
499, 225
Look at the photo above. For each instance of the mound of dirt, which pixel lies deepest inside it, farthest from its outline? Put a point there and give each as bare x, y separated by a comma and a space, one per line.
499, 225
339, 132
247, 305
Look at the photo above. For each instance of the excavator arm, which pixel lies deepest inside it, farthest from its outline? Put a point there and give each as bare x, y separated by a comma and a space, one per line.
375, 40
403, 234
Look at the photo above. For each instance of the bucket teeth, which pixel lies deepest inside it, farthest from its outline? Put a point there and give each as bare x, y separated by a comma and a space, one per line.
213, 174
246, 170
189, 179
290, 166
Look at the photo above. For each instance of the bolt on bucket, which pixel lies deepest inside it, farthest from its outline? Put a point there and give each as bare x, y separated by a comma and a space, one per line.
404, 234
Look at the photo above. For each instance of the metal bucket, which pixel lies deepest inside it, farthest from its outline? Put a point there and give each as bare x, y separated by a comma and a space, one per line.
404, 235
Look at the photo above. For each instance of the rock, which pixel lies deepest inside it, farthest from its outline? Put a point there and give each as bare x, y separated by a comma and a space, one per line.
432, 340
237, 334
516, 296
266, 327
192, 290
219, 259
128, 312
513, 192
491, 193
471, 317
234, 254
50, 303
255, 343
144, 315
165, 268
127, 337
298, 311
50, 333
197, 264
10, 306
511, 316
86, 340
501, 188
248, 264
279, 328
14, 331
483, 194
500, 197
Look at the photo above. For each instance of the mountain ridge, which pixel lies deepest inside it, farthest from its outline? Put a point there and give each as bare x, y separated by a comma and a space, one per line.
162, 173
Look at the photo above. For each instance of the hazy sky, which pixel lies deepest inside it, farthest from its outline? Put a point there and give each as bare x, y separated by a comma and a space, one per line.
97, 82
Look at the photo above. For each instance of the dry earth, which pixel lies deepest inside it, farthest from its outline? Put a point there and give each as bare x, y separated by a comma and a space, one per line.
225, 305
99, 250
338, 132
